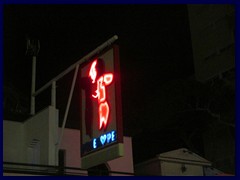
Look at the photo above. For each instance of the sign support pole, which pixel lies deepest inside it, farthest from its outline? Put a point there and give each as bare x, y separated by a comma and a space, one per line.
68, 105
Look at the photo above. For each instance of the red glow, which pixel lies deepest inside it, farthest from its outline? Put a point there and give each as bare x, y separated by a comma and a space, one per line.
93, 72
102, 82
108, 78
103, 115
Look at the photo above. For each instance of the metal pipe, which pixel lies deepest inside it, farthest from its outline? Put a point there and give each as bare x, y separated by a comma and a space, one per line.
32, 110
53, 94
68, 105
82, 60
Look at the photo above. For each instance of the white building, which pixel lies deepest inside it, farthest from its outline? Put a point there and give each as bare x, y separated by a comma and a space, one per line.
35, 141
180, 162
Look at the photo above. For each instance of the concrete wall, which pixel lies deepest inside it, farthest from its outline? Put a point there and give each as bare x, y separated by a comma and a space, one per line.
179, 162
125, 163
13, 138
42, 127
71, 144
174, 169
157, 167
32, 141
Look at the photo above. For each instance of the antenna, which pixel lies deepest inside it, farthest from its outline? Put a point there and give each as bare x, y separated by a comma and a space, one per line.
32, 49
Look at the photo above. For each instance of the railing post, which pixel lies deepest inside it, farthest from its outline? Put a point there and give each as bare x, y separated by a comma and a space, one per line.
53, 94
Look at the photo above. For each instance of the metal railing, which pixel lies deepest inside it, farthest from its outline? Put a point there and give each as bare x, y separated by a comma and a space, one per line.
24, 169
53, 82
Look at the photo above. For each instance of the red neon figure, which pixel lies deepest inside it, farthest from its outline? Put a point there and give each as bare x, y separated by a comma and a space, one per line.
103, 112
102, 82
93, 72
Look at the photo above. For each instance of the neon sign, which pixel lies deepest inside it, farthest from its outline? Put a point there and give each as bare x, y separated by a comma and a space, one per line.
100, 94
101, 141
104, 139
100, 108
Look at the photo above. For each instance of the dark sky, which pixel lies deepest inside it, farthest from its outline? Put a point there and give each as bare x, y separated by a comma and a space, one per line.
148, 35
154, 43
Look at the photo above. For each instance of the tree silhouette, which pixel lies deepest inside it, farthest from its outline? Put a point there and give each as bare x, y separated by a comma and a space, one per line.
185, 110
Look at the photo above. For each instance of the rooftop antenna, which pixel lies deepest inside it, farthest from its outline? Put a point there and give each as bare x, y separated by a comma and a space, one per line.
33, 47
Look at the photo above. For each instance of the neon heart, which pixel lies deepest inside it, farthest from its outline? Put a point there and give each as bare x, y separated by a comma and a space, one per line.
103, 139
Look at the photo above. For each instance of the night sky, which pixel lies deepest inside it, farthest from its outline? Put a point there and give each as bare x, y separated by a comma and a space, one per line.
154, 41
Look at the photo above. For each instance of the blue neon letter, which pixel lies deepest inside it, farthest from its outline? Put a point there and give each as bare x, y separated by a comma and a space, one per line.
108, 137
94, 143
113, 136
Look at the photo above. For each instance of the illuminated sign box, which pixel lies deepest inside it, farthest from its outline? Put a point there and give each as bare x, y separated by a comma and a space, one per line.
101, 113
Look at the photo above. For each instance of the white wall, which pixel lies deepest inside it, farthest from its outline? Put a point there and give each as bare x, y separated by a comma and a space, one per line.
125, 163
71, 143
179, 162
158, 167
43, 128
174, 169
12, 141
20, 138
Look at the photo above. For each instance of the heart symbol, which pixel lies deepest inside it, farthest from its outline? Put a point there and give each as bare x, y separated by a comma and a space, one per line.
103, 139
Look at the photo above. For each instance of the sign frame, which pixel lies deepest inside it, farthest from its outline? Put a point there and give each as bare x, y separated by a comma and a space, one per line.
114, 149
